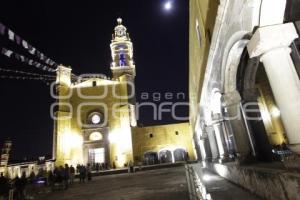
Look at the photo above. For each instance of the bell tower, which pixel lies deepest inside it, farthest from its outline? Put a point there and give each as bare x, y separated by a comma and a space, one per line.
122, 66
121, 52
5, 153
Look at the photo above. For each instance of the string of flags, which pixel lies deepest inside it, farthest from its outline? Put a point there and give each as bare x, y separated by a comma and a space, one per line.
5, 31
26, 78
25, 73
24, 59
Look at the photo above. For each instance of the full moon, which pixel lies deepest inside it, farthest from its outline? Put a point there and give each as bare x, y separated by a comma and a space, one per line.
168, 5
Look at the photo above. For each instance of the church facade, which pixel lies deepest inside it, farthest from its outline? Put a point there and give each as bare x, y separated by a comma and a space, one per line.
95, 117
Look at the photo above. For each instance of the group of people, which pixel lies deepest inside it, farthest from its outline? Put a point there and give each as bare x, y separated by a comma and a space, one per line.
20, 187
60, 177
17, 187
65, 175
4, 187
99, 167
84, 172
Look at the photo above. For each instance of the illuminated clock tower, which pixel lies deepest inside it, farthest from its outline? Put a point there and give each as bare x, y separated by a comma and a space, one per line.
122, 52
123, 66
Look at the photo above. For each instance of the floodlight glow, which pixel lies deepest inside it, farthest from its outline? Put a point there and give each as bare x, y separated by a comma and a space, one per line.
206, 178
275, 112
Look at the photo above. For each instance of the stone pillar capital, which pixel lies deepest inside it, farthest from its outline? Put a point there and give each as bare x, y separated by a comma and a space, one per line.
269, 38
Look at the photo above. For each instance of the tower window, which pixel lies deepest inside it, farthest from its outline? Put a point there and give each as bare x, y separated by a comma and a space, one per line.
176, 133
94, 83
151, 135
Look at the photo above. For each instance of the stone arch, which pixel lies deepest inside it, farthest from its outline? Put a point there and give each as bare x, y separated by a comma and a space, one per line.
247, 88
232, 65
232, 99
239, 89
180, 154
236, 44
151, 158
165, 156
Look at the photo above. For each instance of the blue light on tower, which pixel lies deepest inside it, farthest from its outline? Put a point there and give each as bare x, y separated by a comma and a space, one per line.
122, 60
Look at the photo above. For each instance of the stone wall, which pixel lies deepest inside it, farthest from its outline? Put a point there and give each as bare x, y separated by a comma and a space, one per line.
201, 27
162, 137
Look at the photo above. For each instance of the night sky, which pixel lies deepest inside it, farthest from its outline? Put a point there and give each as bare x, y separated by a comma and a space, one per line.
78, 34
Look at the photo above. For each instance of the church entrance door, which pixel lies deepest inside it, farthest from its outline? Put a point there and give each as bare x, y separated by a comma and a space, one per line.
96, 155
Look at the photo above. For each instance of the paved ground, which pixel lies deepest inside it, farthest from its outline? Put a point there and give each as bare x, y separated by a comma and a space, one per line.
221, 189
162, 184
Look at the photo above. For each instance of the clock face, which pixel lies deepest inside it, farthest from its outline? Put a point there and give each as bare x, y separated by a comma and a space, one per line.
96, 119
121, 32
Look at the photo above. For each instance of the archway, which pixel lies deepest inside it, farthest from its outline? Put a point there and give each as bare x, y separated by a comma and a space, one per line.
180, 155
232, 101
241, 88
165, 156
267, 127
151, 158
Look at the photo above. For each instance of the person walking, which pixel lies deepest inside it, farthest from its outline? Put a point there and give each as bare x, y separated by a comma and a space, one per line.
24, 183
89, 172
72, 174
51, 179
32, 177
66, 172
130, 167
97, 167
60, 177
78, 169
82, 174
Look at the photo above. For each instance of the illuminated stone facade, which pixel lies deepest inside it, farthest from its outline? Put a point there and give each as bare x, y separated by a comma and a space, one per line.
243, 78
245, 91
201, 23
96, 118
164, 143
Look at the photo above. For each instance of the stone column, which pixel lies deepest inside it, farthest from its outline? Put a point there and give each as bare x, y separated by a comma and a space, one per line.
220, 137
272, 43
212, 142
234, 115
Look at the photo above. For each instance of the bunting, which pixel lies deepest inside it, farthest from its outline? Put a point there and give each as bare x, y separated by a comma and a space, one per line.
5, 31
10, 54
